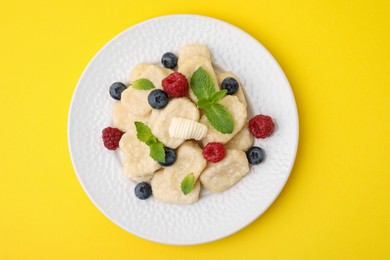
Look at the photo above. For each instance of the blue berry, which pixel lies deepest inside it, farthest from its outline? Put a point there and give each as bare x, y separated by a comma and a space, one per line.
255, 155
170, 157
231, 85
169, 60
116, 90
143, 190
158, 99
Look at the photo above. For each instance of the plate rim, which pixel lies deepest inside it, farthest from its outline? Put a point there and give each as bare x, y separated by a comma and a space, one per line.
245, 34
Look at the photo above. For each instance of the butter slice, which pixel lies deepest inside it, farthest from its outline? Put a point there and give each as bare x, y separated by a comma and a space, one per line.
182, 128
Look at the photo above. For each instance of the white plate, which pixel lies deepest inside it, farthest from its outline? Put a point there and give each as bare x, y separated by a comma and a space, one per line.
214, 216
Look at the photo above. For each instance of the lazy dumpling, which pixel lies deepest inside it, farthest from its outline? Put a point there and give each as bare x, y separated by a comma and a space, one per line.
136, 101
167, 185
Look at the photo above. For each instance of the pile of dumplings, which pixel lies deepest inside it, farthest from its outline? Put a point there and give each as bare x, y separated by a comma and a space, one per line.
166, 181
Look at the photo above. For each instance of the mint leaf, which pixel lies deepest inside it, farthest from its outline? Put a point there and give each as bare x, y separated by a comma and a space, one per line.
143, 132
202, 84
214, 98
204, 103
187, 183
142, 84
151, 141
157, 152
217, 96
204, 89
220, 118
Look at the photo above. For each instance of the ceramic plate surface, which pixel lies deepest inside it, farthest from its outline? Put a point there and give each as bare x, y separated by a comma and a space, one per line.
214, 216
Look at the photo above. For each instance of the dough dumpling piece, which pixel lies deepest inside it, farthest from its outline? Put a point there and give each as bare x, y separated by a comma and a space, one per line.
138, 165
138, 70
123, 120
136, 101
163, 191
240, 93
153, 117
151, 72
219, 176
191, 50
238, 113
189, 160
189, 66
243, 140
167, 186
177, 107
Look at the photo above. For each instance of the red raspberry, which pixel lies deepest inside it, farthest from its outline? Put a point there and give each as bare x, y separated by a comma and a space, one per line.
176, 85
111, 137
214, 152
261, 126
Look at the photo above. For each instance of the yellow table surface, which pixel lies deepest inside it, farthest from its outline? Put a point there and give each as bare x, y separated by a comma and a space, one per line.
336, 55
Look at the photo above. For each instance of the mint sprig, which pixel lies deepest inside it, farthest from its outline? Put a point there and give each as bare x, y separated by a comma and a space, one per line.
187, 183
218, 96
145, 135
201, 84
213, 99
204, 89
220, 118
157, 152
142, 84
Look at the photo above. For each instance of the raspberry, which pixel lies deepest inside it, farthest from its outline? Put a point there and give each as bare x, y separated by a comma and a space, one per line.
176, 85
261, 126
111, 137
214, 152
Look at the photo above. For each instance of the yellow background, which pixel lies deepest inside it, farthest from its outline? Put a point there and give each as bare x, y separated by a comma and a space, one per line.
335, 205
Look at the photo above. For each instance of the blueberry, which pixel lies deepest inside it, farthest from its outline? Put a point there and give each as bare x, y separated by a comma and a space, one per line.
116, 90
255, 155
170, 157
143, 190
169, 60
158, 99
231, 85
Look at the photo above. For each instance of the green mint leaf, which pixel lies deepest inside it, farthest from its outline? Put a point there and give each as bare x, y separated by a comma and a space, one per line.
157, 152
220, 118
187, 183
204, 103
217, 96
142, 84
143, 132
151, 141
202, 84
